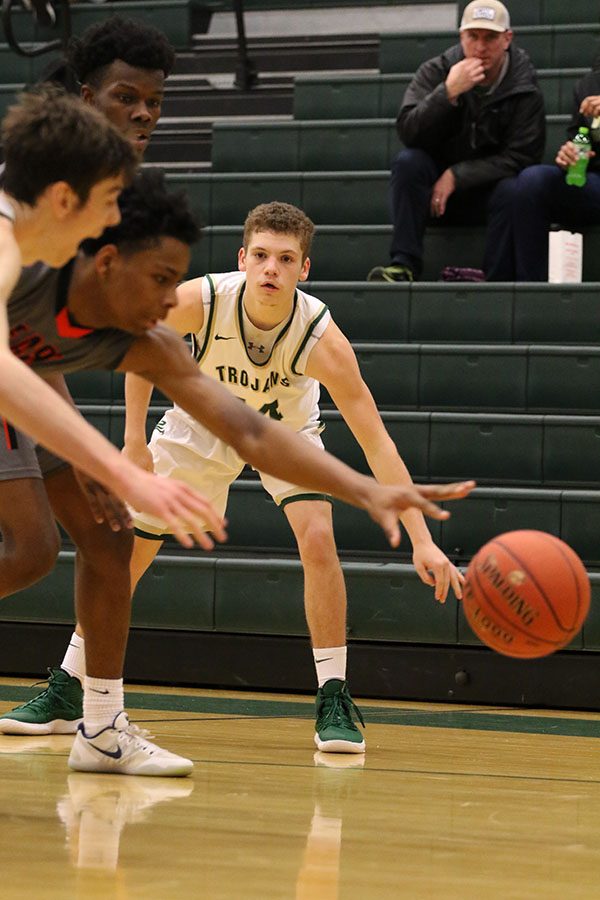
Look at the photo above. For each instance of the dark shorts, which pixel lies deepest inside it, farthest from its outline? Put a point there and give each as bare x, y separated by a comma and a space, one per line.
21, 457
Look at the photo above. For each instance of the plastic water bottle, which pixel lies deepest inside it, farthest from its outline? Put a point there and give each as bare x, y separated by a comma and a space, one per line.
576, 173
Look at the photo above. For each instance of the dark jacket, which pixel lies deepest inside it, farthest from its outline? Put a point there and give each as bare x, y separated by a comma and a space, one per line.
482, 138
588, 86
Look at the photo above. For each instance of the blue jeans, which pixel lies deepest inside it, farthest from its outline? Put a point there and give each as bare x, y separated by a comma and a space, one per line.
414, 173
535, 199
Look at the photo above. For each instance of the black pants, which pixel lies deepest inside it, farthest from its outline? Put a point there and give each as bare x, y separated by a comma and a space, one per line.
532, 201
414, 173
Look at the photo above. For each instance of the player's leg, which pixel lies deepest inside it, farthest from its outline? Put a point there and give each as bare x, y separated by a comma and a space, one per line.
325, 608
310, 517
105, 741
145, 547
26, 522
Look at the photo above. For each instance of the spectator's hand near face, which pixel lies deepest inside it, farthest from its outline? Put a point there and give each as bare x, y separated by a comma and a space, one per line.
590, 107
463, 76
442, 189
568, 154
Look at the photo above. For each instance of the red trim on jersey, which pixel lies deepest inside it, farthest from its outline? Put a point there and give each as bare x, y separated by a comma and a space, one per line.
9, 435
66, 329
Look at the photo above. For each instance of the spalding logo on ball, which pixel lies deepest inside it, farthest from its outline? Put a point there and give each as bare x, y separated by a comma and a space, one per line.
526, 594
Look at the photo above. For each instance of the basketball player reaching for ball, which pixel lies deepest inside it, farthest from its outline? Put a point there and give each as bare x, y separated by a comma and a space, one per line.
113, 294
271, 345
64, 169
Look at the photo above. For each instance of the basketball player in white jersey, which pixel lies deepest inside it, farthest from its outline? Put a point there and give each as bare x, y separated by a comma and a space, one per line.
271, 345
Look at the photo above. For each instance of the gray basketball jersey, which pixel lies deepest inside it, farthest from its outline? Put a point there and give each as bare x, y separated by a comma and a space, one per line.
45, 336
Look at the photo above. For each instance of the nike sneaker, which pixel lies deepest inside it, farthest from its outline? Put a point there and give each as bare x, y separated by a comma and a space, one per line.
335, 731
56, 710
124, 749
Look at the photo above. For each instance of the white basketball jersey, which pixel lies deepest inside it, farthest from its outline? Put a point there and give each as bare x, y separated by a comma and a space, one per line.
277, 385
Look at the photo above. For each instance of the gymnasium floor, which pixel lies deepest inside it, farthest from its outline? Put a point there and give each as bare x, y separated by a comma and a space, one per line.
449, 802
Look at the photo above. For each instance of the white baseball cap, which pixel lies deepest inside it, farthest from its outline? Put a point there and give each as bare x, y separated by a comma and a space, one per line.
489, 14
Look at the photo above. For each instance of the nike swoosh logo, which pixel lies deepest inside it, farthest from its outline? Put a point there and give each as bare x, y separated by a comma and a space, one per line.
99, 692
114, 754
326, 659
220, 337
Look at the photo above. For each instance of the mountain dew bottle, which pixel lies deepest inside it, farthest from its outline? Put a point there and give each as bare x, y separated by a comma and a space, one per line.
576, 173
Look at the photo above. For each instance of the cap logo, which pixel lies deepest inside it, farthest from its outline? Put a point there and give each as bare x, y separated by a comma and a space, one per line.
484, 12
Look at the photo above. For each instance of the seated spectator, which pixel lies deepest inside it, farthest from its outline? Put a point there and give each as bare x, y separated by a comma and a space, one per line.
539, 196
470, 118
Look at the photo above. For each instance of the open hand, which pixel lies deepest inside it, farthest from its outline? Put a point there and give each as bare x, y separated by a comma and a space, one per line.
186, 512
435, 569
388, 501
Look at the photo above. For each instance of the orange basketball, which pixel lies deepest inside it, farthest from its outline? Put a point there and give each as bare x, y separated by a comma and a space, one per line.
526, 594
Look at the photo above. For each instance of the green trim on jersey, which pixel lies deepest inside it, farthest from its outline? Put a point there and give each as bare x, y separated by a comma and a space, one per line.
309, 330
200, 351
296, 497
240, 320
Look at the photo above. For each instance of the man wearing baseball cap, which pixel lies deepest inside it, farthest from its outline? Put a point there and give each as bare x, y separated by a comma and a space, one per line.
470, 118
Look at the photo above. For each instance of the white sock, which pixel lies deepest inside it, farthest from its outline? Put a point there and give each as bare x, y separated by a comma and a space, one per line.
330, 662
74, 661
102, 701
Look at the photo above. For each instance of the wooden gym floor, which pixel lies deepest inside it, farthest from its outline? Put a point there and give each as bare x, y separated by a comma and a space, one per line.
449, 802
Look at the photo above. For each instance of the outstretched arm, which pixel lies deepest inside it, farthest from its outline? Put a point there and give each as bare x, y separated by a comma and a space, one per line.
333, 363
33, 407
163, 359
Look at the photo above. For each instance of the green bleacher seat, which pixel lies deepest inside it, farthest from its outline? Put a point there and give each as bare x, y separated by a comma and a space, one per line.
256, 147
225, 198
375, 96
564, 378
561, 313
591, 627
581, 522
321, 146
549, 46
391, 371
461, 312
409, 431
177, 593
494, 448
385, 601
439, 312
49, 600
473, 377
492, 511
259, 596
571, 449
175, 18
366, 311
491, 449
91, 387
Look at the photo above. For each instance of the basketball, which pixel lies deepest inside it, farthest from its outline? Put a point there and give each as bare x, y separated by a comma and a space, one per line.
526, 594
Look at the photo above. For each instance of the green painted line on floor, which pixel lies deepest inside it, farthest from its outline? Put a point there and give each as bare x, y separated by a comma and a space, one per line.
376, 715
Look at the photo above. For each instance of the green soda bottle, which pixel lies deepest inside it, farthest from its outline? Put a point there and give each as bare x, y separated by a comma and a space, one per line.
576, 173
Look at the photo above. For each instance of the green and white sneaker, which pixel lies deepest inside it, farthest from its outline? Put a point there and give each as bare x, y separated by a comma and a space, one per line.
335, 731
57, 710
